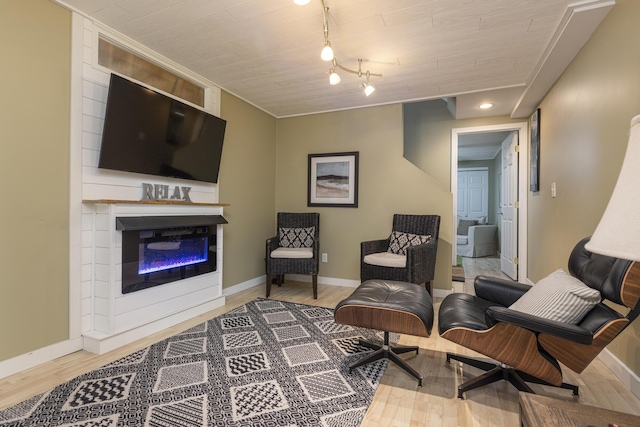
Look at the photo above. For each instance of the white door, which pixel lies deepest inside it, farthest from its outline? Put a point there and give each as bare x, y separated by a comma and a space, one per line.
509, 210
473, 193
478, 193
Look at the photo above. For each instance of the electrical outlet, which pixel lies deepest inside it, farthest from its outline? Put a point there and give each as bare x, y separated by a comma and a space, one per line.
324, 257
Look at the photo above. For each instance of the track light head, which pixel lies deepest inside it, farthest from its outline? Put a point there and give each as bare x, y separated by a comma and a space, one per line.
369, 90
327, 52
334, 78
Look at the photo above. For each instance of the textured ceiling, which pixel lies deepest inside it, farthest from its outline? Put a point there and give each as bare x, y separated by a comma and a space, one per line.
267, 52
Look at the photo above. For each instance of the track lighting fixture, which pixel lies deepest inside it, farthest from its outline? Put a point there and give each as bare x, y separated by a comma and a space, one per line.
327, 54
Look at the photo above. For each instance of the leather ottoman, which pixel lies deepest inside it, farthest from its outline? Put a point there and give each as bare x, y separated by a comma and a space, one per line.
389, 306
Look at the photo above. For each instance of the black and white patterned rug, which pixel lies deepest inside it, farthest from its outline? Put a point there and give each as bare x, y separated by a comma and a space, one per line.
266, 363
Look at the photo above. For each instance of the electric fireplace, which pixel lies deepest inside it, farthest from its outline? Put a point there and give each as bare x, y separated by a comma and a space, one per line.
171, 251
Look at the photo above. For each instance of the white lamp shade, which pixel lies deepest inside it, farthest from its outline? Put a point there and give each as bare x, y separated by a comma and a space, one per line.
327, 52
618, 233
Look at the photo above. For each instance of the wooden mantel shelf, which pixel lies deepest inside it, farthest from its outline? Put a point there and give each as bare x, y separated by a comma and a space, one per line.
152, 202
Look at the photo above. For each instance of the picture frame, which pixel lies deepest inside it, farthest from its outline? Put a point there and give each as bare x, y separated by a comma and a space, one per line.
333, 180
534, 151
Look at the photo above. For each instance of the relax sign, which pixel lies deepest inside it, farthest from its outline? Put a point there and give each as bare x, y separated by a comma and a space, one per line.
161, 192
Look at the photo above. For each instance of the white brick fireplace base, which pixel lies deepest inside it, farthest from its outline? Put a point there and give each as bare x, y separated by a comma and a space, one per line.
112, 319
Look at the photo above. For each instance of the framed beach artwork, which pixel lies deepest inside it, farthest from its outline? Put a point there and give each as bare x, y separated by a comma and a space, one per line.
333, 180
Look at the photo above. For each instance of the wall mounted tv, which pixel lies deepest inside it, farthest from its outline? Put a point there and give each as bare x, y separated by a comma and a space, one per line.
150, 133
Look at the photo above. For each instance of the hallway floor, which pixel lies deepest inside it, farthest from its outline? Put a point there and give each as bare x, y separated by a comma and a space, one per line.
485, 266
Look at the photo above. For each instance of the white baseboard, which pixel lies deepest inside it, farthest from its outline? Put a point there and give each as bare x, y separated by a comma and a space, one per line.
338, 282
437, 293
99, 343
239, 287
322, 280
37, 357
622, 371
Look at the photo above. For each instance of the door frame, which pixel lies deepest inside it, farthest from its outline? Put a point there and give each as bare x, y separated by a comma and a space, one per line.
523, 179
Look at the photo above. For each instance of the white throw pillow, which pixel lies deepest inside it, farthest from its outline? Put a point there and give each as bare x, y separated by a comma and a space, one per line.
559, 297
482, 220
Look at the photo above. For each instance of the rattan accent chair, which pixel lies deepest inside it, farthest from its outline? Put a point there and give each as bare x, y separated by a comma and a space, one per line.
529, 348
420, 263
285, 256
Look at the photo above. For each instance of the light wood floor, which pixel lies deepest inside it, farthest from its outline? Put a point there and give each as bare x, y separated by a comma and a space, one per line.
398, 401
485, 266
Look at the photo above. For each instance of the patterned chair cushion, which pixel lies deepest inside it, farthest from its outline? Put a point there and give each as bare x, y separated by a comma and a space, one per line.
400, 241
296, 237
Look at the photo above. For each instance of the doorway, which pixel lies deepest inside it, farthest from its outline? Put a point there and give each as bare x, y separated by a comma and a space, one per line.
521, 215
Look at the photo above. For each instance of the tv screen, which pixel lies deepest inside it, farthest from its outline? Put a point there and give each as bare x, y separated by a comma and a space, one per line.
150, 133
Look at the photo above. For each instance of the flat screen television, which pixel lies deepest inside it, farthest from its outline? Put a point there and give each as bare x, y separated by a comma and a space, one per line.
150, 133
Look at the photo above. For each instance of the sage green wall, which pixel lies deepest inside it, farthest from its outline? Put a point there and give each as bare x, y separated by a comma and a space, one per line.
35, 41
584, 132
388, 184
247, 183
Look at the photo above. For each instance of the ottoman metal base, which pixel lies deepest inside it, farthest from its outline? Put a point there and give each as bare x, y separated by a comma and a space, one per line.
388, 306
386, 351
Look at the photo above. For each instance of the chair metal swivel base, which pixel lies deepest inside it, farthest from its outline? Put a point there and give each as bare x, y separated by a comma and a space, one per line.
496, 372
385, 351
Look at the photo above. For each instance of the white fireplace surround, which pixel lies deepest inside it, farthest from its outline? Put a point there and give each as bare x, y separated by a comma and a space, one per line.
115, 318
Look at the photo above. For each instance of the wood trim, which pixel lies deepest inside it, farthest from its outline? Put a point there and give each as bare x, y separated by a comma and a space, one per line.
630, 290
578, 356
543, 411
511, 345
151, 202
383, 319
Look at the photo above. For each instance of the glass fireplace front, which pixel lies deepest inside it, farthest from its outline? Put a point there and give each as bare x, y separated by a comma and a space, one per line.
155, 257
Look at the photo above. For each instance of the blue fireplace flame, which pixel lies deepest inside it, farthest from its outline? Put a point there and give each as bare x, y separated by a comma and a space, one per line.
165, 255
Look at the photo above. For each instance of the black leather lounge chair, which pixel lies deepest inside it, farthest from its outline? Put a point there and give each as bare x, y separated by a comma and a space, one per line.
527, 347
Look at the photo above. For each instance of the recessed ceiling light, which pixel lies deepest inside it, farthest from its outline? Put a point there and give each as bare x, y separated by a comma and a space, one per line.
301, 2
485, 106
